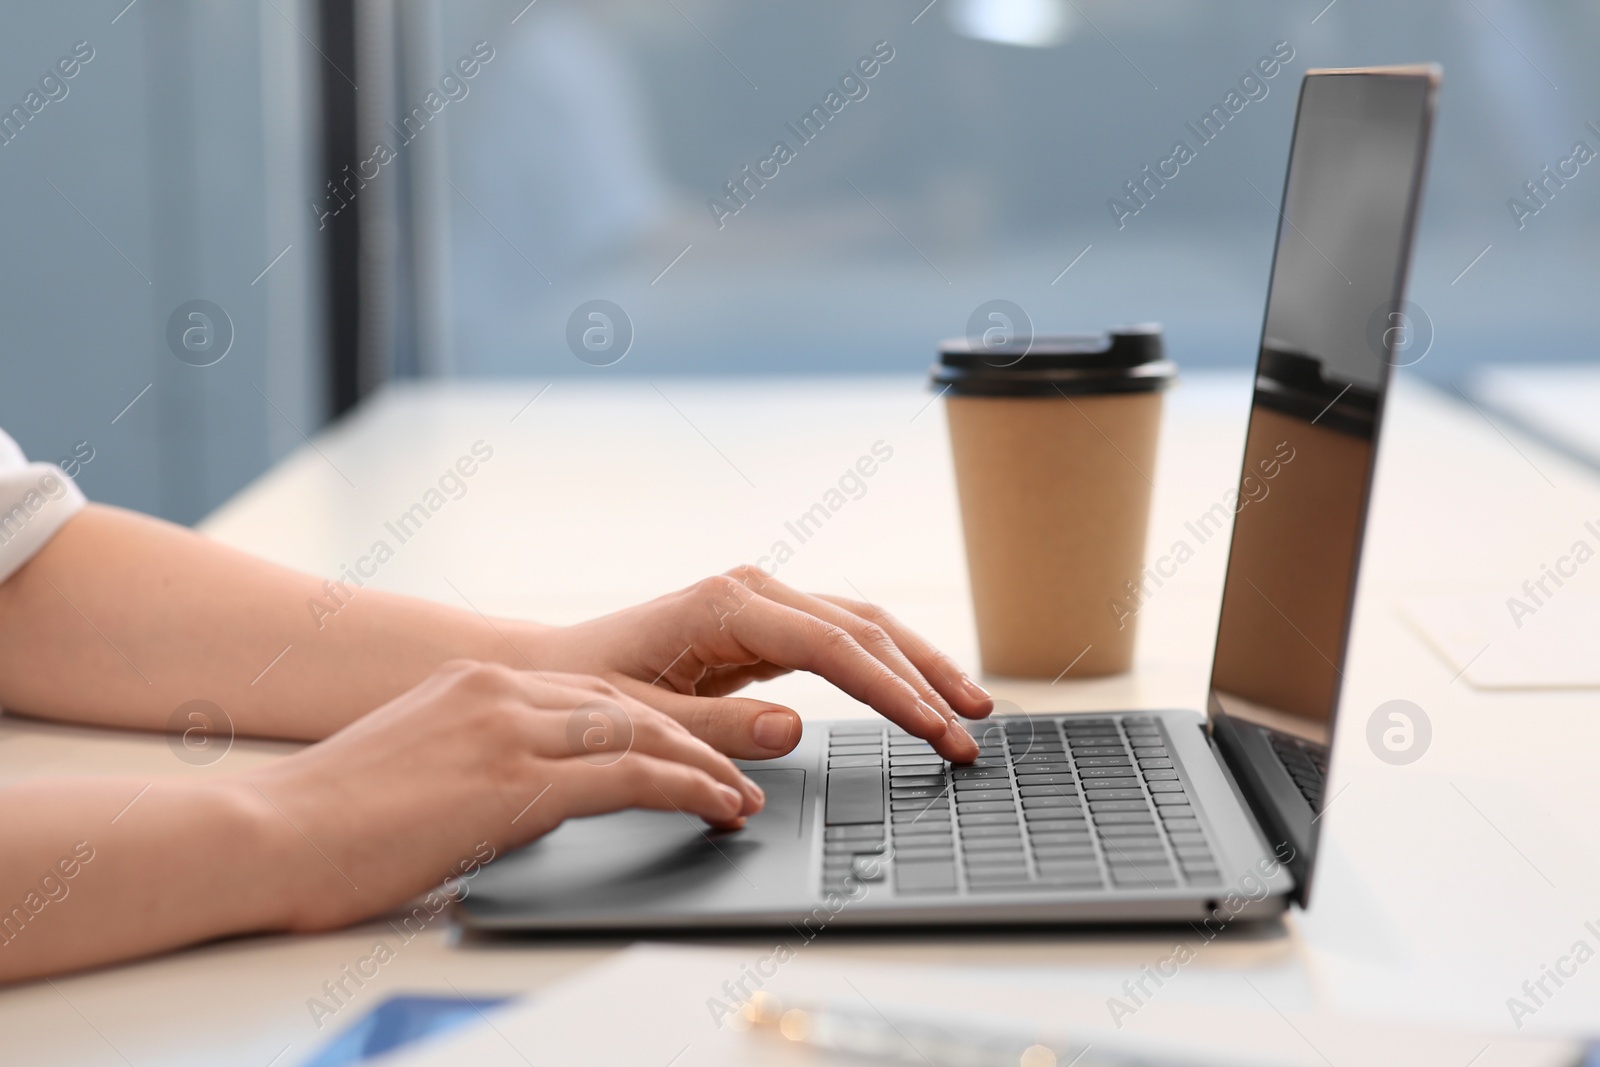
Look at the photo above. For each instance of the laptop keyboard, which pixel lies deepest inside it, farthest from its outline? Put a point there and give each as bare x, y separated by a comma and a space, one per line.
1054, 803
1306, 762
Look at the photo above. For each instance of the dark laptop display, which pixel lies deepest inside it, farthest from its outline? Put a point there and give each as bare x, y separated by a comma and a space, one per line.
1336, 324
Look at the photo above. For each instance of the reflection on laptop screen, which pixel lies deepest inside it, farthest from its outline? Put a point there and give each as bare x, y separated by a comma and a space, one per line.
1334, 323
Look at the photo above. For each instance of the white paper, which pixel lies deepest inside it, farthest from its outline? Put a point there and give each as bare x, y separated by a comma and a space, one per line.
1494, 644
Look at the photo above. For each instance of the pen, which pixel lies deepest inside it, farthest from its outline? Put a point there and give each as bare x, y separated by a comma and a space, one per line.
953, 1042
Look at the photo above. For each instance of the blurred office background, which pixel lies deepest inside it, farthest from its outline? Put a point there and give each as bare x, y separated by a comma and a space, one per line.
568, 151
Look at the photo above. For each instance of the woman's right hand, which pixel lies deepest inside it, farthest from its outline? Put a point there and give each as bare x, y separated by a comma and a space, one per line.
396, 802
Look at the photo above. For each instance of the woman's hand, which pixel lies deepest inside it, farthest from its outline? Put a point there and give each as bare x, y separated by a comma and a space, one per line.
391, 805
684, 652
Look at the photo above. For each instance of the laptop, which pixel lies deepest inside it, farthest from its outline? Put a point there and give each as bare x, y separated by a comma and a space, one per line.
1123, 816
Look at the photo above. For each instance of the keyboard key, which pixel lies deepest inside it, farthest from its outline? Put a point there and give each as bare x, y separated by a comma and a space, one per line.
999, 830
923, 853
1074, 854
1120, 805
852, 749
1063, 870
1090, 773
914, 770
1150, 752
836, 762
919, 792
932, 804
1155, 764
1039, 809
997, 867
1178, 825
1020, 885
854, 833
1008, 843
1103, 761
1029, 778
1166, 787
1120, 849
1136, 856
1198, 853
855, 796
1143, 833
869, 868
1114, 794
970, 773
1061, 838
1037, 769
924, 818
968, 797
1036, 757
937, 823
1056, 829
914, 759
1186, 837
1176, 811
913, 781
1108, 818
1161, 776
986, 818
1121, 868
925, 877
1048, 790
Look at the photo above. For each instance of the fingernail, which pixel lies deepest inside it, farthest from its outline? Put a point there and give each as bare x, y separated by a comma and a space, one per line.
733, 801
934, 716
773, 729
974, 690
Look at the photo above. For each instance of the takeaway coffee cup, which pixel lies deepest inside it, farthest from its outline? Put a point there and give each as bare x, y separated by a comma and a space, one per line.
1054, 442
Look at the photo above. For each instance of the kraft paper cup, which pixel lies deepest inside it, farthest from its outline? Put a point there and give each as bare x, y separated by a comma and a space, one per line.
1054, 443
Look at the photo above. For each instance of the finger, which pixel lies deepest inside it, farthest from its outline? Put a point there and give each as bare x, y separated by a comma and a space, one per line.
791, 638
741, 727
720, 681
869, 635
580, 789
605, 725
955, 685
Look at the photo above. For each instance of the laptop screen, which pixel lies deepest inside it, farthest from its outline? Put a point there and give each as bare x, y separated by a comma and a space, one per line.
1336, 323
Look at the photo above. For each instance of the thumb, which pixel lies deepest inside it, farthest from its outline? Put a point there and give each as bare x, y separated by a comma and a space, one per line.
735, 726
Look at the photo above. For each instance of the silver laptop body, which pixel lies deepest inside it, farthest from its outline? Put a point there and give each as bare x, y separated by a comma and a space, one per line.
1119, 816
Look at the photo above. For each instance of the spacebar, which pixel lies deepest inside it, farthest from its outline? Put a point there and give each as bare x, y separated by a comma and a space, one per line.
855, 795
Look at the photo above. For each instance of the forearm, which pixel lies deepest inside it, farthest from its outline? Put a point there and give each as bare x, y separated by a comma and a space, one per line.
121, 619
88, 877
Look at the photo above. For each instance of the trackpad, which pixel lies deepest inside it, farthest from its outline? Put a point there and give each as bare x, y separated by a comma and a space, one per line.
651, 861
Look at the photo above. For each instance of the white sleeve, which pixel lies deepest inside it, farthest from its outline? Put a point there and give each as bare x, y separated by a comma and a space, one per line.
36, 500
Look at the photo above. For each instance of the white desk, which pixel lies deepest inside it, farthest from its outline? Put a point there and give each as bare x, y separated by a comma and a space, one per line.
1443, 885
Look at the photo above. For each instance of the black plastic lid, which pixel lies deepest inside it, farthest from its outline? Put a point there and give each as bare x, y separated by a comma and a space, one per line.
1128, 359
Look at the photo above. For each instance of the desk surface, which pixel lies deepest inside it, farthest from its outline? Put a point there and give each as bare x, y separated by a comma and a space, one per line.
1443, 885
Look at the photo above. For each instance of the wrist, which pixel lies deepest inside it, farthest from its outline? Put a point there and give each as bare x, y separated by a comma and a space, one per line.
523, 645
284, 889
